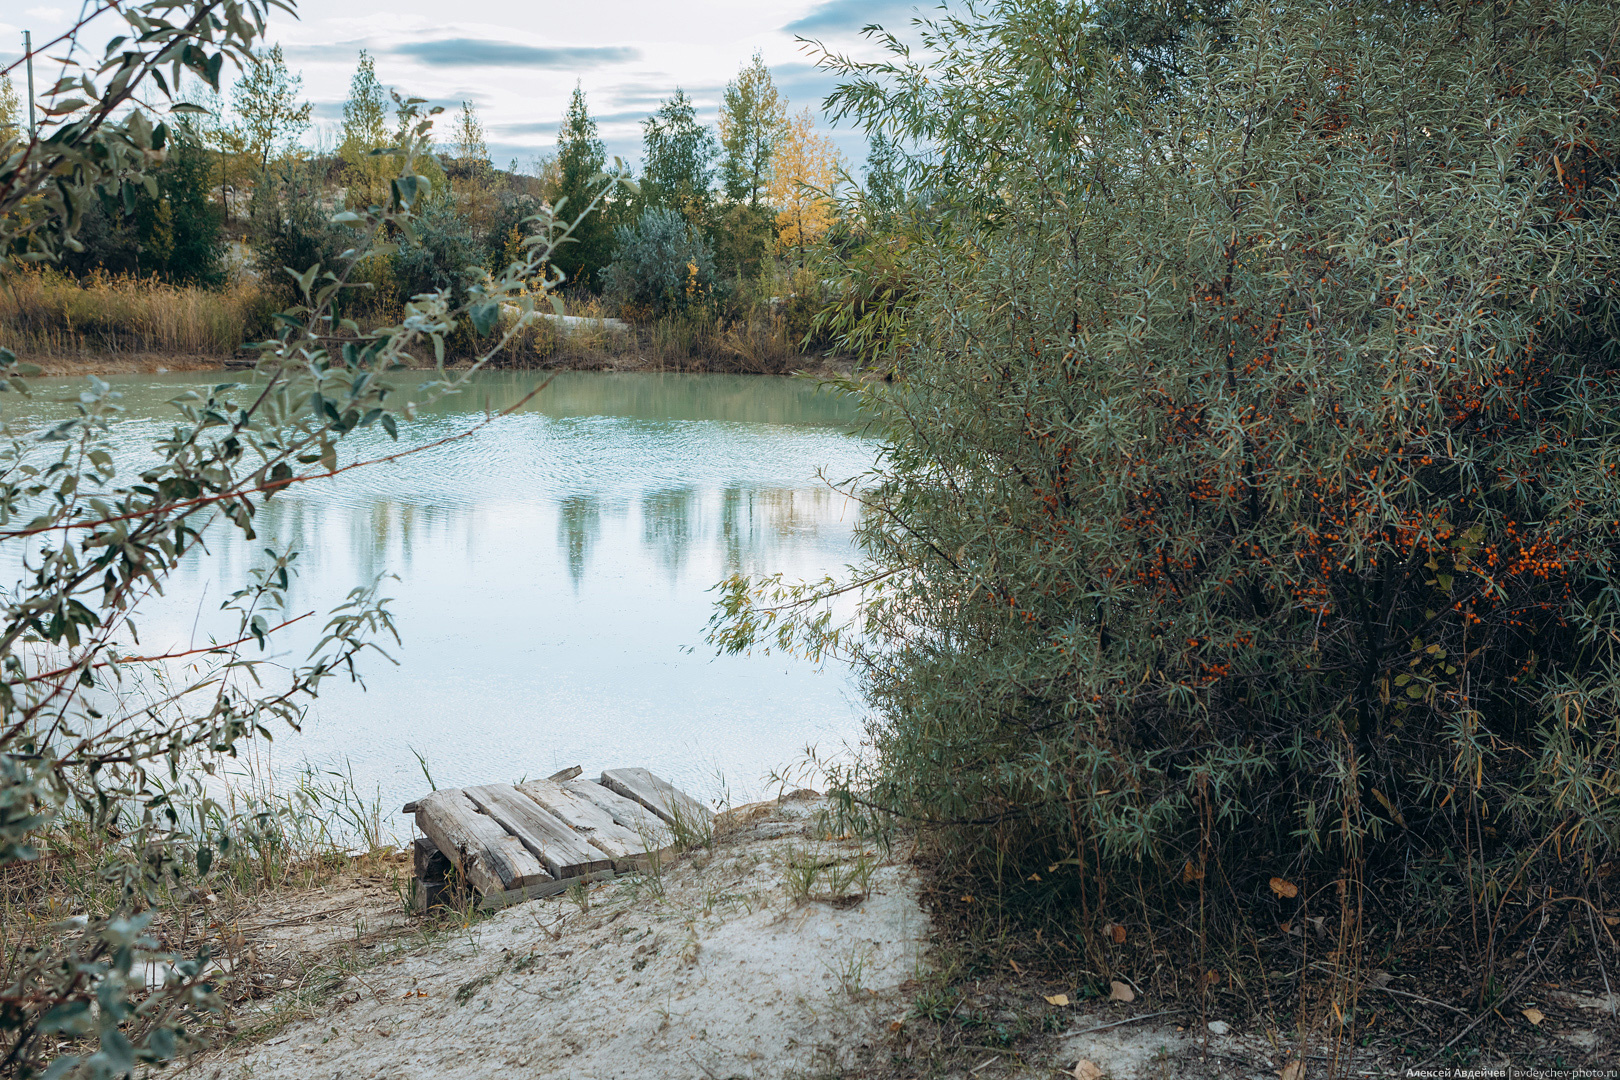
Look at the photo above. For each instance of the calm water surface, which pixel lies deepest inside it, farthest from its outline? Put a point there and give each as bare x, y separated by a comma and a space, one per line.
553, 575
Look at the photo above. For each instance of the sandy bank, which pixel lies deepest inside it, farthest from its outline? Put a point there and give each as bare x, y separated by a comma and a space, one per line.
713, 967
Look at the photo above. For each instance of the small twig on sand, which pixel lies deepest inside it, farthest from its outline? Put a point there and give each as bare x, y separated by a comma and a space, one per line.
1116, 1023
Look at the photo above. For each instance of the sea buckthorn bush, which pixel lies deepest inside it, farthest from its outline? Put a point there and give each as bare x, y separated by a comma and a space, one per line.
1250, 507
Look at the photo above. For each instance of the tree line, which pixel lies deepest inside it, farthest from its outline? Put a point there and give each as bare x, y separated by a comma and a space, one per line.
711, 211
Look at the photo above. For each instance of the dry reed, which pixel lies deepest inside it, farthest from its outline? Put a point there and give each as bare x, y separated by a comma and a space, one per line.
46, 313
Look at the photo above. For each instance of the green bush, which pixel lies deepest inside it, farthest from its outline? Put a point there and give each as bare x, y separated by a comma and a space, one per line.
291, 226
1251, 507
663, 264
443, 254
176, 235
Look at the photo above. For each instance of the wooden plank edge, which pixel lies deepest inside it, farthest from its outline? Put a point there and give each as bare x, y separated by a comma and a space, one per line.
492, 901
626, 791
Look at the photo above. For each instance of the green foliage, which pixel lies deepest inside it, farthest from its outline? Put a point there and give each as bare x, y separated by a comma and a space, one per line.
581, 158
365, 128
11, 123
753, 115
471, 150
744, 239
1251, 501
663, 263
270, 116
290, 227
175, 233
885, 182
1155, 37
443, 253
678, 167
197, 243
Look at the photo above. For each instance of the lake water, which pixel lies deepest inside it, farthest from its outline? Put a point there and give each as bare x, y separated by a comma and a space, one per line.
553, 579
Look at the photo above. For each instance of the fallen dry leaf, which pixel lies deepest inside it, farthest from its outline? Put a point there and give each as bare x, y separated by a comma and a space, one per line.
1190, 873
1085, 1070
1294, 1070
1534, 1015
896, 1025
1284, 888
1014, 965
1059, 1000
1118, 991
1379, 978
1115, 931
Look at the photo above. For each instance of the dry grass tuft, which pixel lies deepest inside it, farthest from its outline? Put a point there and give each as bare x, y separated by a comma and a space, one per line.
45, 313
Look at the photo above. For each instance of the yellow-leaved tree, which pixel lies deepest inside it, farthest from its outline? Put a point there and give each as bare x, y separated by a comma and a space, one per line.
805, 169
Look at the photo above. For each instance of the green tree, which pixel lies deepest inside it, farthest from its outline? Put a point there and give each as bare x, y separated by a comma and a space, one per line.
269, 114
1242, 518
196, 236
11, 125
678, 162
581, 159
885, 180
753, 116
365, 128
468, 139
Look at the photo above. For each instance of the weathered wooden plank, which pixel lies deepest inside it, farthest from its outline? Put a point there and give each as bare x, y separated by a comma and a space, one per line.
490, 858
427, 895
659, 796
566, 774
651, 831
431, 864
593, 824
563, 852
535, 892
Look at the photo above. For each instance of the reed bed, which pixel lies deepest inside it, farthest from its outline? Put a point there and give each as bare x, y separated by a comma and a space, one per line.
45, 313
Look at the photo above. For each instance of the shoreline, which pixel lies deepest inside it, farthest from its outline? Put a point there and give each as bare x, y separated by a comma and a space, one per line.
160, 363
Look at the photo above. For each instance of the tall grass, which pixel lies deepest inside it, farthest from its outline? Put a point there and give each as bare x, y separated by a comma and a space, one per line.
50, 314
45, 313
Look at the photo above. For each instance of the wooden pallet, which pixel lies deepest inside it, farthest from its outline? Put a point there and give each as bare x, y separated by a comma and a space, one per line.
516, 842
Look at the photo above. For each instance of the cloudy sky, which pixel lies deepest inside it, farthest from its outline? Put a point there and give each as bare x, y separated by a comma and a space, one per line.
518, 62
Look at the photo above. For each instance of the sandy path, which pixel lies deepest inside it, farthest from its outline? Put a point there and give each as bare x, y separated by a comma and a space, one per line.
712, 969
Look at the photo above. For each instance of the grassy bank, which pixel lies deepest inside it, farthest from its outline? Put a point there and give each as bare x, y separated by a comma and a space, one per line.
109, 322
45, 314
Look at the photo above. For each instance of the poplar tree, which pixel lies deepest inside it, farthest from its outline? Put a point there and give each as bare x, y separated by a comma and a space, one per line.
471, 149
266, 99
365, 128
581, 157
885, 185
753, 116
